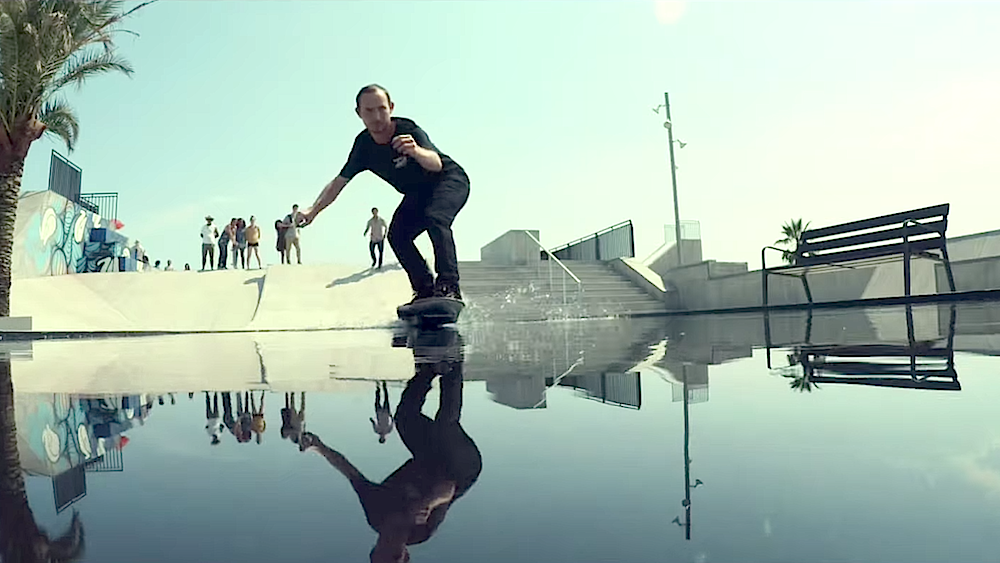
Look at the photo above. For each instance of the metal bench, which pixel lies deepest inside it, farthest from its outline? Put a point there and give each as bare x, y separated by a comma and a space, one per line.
919, 233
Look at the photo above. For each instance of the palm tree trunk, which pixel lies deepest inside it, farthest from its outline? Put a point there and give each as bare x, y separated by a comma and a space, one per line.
11, 169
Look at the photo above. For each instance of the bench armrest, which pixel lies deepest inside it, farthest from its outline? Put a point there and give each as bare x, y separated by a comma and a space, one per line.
763, 266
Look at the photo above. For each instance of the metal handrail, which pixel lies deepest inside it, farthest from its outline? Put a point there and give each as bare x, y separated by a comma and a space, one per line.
594, 235
554, 259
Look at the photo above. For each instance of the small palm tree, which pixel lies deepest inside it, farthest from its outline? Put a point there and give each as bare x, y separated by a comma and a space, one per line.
45, 46
791, 235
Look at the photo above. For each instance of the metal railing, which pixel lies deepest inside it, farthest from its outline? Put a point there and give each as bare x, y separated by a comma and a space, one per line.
104, 204
566, 272
552, 258
616, 241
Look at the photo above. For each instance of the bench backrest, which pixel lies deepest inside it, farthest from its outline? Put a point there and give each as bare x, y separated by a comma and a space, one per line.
878, 236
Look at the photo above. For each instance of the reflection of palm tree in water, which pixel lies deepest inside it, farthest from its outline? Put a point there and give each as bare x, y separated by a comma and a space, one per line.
803, 381
21, 540
409, 505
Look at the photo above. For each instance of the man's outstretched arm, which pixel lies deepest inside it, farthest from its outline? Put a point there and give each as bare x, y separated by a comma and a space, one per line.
326, 197
310, 441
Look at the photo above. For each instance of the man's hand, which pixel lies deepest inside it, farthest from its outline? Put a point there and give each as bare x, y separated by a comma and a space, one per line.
405, 144
308, 440
305, 217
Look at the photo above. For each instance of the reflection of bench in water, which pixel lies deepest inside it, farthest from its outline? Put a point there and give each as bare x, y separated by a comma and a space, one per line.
915, 365
855, 365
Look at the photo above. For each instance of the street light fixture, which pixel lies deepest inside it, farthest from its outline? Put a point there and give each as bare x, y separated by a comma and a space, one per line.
668, 125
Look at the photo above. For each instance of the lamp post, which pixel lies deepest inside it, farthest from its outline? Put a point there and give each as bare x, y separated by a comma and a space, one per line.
673, 173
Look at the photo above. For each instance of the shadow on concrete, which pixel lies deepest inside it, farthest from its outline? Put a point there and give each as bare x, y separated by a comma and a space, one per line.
363, 274
260, 292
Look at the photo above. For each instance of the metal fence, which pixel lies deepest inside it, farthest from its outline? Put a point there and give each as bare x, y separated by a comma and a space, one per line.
111, 461
64, 177
104, 204
617, 241
619, 389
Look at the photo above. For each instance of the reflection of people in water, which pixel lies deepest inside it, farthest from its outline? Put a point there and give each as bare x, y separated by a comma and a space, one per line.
409, 505
244, 419
293, 422
213, 425
382, 423
257, 424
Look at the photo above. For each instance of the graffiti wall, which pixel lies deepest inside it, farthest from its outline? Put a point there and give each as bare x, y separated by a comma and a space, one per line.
54, 236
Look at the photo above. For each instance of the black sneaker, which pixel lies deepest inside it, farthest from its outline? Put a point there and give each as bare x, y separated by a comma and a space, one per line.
404, 309
448, 290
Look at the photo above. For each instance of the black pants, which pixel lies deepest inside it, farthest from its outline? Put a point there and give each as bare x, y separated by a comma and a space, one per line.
433, 211
441, 442
380, 245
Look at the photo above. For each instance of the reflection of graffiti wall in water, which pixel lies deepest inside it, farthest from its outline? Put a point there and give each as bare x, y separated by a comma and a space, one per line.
52, 236
56, 433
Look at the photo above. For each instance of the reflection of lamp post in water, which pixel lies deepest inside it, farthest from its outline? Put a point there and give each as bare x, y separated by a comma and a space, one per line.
686, 503
673, 172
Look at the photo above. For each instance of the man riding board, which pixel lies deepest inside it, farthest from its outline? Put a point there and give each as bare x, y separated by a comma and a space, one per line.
434, 188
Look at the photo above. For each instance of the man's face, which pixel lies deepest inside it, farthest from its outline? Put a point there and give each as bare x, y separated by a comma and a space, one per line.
295, 209
375, 111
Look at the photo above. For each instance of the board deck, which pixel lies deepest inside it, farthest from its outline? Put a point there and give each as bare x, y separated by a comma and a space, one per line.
433, 311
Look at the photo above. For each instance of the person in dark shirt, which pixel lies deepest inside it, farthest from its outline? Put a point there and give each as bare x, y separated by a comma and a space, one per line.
434, 188
411, 503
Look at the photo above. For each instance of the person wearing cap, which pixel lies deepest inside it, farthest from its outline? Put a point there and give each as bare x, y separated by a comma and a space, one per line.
209, 235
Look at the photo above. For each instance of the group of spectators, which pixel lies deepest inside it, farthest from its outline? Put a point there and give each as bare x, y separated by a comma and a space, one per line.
241, 240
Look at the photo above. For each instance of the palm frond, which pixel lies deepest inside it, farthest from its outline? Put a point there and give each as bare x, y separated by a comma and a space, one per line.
84, 66
60, 121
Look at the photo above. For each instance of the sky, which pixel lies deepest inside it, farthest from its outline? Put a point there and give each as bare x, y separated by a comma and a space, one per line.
829, 111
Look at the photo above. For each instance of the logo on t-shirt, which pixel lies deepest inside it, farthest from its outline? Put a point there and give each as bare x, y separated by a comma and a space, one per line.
399, 161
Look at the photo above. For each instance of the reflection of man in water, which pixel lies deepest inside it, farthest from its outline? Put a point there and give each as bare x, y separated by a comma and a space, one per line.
382, 423
213, 426
409, 505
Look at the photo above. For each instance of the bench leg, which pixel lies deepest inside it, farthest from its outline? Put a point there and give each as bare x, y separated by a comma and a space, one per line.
947, 267
763, 289
767, 317
906, 270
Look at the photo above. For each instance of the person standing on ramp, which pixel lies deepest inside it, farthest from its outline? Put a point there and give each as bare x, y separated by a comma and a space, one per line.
376, 226
434, 188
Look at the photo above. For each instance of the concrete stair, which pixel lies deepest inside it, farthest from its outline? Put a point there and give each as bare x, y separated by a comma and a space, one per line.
544, 291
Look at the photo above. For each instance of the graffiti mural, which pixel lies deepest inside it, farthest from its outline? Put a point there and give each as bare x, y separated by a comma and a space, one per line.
52, 236
101, 252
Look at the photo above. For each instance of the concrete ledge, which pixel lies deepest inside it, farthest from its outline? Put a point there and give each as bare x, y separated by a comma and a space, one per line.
514, 247
645, 278
15, 324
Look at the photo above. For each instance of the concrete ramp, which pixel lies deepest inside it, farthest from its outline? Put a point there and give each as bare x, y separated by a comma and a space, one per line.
278, 298
329, 296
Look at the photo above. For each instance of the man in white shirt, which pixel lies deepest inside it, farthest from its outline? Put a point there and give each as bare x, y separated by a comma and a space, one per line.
292, 223
209, 236
138, 252
376, 226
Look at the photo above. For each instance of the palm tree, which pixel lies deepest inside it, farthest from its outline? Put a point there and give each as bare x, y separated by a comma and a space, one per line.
792, 234
45, 46
21, 540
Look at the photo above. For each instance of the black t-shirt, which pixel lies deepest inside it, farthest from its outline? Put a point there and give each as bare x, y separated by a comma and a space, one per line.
402, 172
